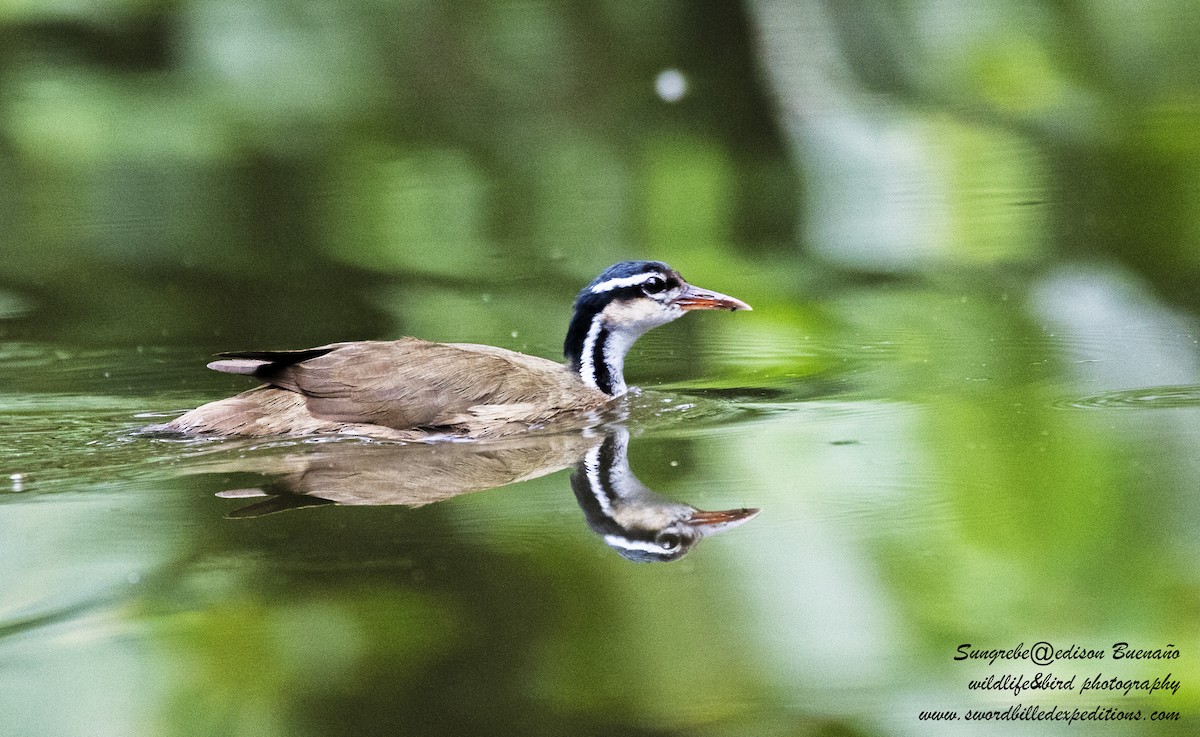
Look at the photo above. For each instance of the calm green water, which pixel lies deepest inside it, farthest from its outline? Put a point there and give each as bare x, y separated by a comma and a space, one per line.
924, 483
966, 404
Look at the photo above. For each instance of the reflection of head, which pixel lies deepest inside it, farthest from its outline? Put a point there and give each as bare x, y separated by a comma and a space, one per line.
633, 520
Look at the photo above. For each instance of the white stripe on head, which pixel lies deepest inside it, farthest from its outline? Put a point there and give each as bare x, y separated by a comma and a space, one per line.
624, 281
639, 545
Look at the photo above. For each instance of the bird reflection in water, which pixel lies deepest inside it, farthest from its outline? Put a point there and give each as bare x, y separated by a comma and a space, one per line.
633, 520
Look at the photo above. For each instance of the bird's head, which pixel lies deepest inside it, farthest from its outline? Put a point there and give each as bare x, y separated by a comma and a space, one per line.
621, 304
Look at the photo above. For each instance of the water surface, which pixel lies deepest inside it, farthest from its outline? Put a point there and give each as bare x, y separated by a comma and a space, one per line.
924, 482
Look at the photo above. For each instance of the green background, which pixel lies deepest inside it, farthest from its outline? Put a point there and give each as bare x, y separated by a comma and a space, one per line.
966, 400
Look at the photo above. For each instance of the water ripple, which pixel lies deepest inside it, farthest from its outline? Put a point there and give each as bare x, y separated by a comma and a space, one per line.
1153, 397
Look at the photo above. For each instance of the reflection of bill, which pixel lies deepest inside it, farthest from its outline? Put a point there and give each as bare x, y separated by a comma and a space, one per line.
636, 522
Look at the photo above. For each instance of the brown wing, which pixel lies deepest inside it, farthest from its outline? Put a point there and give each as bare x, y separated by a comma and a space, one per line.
412, 383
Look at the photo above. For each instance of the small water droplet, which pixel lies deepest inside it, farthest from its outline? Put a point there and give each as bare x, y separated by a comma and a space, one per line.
671, 85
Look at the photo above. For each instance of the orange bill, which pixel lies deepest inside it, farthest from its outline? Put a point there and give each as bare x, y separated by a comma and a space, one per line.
695, 298
710, 522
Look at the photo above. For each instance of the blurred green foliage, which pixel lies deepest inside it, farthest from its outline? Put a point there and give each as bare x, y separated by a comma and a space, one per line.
310, 149
296, 153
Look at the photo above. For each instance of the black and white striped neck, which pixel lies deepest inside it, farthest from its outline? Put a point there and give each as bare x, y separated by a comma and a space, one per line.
611, 313
639, 524
596, 351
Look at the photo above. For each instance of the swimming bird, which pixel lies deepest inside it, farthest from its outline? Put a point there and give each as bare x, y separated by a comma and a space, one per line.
412, 389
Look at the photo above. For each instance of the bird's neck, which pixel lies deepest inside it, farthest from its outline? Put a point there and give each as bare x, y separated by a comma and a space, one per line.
611, 485
596, 348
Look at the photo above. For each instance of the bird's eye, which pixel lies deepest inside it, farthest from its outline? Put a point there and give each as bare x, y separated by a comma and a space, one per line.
670, 541
654, 285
